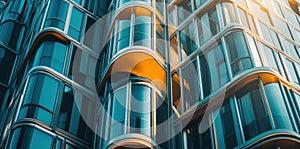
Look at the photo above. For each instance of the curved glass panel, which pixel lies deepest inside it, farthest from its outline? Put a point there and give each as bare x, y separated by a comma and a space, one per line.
278, 106
57, 14
254, 117
39, 99
29, 138
11, 32
238, 52
140, 116
51, 54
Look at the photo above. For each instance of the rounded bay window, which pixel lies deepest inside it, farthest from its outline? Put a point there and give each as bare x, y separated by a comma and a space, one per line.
132, 109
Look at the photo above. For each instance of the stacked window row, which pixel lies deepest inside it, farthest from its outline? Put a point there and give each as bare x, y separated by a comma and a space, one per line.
58, 106
196, 32
221, 62
76, 63
255, 111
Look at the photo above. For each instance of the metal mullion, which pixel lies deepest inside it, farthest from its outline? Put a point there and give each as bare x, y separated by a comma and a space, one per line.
266, 103
127, 108
238, 120
132, 22
68, 19
226, 56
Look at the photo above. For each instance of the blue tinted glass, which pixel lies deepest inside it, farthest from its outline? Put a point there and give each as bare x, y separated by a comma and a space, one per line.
30, 138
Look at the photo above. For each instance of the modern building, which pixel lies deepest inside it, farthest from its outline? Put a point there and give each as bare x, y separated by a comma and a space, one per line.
177, 74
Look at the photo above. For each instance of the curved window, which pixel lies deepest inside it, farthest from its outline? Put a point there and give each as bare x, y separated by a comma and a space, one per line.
140, 116
143, 27
276, 100
11, 32
129, 110
29, 138
254, 117
56, 17
238, 52
76, 114
40, 98
124, 22
51, 54
229, 135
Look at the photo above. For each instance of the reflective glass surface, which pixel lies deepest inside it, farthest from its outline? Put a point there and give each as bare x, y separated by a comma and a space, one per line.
40, 98
254, 117
29, 138
238, 52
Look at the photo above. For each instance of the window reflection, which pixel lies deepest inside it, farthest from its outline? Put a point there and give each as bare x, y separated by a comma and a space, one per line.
51, 54
208, 25
254, 117
276, 100
57, 16
188, 41
76, 114
228, 127
190, 82
140, 116
29, 138
40, 98
238, 52
198, 137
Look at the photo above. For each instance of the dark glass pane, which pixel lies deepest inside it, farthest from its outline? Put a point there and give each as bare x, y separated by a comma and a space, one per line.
123, 33
7, 61
254, 117
228, 125
198, 137
29, 138
75, 112
57, 14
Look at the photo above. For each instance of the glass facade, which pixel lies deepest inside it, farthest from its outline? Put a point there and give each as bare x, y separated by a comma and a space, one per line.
161, 74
